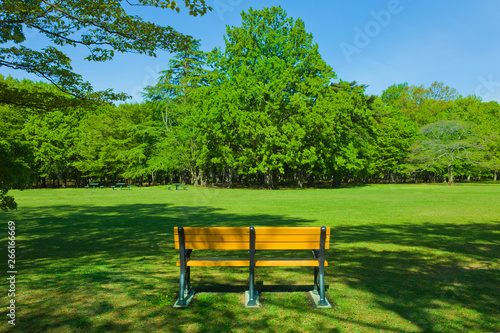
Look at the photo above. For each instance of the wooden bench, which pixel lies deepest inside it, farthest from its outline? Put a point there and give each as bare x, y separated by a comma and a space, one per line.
188, 239
93, 185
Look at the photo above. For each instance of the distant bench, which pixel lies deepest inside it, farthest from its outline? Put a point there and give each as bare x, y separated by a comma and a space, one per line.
177, 186
188, 239
94, 185
121, 186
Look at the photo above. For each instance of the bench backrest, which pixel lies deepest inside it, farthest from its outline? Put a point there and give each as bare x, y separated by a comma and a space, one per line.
238, 238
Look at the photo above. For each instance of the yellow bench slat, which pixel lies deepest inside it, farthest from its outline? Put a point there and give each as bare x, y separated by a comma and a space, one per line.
290, 231
246, 246
238, 262
246, 238
258, 231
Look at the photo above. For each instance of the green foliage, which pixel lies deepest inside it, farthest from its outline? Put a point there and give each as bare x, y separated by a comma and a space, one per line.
426, 105
394, 135
267, 81
102, 27
52, 137
447, 144
261, 110
37, 96
393, 93
15, 155
175, 96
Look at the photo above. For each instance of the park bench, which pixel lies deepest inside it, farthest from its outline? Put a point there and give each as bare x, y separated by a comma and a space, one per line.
177, 186
251, 239
121, 186
93, 185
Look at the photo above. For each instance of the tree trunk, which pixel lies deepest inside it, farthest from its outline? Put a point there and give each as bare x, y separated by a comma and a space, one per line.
451, 181
496, 176
268, 179
300, 177
335, 180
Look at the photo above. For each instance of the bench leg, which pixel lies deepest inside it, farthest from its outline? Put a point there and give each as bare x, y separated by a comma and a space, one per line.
181, 301
251, 298
322, 299
316, 282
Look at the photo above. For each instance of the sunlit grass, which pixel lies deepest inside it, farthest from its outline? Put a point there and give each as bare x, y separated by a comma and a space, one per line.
404, 258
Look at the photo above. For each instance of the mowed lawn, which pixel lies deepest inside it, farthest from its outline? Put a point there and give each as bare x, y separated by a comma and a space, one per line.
403, 258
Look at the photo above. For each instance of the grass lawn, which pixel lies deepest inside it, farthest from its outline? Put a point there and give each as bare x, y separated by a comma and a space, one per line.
403, 258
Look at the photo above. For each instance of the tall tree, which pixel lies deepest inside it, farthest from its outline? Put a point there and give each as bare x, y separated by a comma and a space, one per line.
102, 27
52, 137
174, 98
447, 144
275, 74
394, 135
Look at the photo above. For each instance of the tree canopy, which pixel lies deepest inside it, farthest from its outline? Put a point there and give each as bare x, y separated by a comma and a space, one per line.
102, 27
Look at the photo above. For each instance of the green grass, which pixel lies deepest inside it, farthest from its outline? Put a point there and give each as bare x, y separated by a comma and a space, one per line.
404, 258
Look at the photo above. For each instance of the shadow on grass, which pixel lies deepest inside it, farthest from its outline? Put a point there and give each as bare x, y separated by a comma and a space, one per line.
425, 272
113, 269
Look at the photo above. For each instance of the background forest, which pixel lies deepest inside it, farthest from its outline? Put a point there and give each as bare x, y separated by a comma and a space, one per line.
264, 111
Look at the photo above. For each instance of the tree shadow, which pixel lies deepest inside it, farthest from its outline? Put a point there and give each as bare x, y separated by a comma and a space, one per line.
84, 267
102, 268
423, 271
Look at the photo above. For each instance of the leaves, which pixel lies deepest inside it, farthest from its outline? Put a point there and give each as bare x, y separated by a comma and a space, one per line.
102, 27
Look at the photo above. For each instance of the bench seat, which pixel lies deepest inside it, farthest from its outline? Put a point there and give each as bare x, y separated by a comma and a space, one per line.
238, 262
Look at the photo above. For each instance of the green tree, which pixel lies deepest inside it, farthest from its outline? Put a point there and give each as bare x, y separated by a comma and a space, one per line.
15, 155
393, 93
427, 105
272, 73
394, 135
486, 117
447, 144
52, 137
102, 27
350, 121
174, 99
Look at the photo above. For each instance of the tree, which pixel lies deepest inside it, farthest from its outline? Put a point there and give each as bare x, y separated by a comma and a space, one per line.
174, 97
351, 124
446, 144
15, 155
102, 27
486, 117
395, 134
38, 96
393, 93
424, 105
273, 74
51, 137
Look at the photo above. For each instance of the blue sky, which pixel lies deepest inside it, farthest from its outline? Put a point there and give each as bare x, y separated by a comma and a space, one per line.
378, 43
